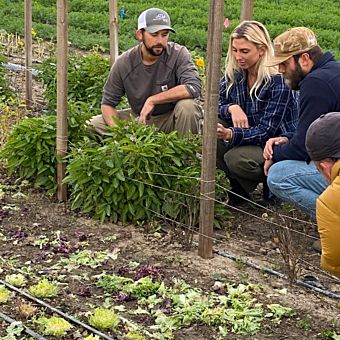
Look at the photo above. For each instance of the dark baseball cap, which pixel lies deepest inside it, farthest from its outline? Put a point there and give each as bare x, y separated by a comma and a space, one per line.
323, 137
154, 20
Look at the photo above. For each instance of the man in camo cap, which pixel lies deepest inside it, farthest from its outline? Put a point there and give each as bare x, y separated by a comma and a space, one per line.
317, 76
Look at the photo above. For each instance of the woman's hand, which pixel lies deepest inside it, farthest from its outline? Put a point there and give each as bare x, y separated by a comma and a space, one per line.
224, 133
238, 116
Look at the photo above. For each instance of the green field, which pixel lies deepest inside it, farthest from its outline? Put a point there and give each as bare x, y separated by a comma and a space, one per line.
88, 20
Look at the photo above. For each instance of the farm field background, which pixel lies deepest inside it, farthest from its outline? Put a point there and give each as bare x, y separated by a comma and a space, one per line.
88, 20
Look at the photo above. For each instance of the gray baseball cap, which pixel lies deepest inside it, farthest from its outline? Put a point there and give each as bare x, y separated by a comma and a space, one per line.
323, 137
154, 20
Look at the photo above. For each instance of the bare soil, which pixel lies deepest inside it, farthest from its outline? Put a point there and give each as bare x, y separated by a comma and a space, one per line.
28, 215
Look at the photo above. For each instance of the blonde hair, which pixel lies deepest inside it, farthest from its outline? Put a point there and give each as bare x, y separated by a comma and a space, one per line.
256, 33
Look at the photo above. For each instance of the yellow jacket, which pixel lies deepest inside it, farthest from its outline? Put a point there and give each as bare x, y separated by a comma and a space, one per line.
328, 219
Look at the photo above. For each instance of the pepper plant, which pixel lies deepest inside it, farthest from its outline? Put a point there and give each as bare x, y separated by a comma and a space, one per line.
135, 173
86, 77
30, 150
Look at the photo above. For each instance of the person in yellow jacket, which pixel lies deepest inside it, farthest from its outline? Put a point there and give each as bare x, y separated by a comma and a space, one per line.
323, 147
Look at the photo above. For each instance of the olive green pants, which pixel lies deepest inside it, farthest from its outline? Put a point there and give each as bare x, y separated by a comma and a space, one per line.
184, 118
242, 163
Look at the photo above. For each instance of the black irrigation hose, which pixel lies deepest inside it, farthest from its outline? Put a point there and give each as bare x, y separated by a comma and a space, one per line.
65, 316
26, 329
276, 273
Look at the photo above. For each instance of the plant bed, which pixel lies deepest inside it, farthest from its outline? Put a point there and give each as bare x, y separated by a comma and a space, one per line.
42, 239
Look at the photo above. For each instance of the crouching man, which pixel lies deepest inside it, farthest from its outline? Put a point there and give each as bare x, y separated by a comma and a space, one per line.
323, 147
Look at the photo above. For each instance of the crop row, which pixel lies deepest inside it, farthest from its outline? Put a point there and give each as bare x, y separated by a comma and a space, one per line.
88, 20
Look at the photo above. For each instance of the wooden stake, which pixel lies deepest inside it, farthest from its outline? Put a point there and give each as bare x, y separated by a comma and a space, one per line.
113, 14
214, 51
62, 52
247, 10
28, 53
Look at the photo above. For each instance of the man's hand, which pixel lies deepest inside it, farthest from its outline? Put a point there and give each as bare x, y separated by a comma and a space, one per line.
238, 116
108, 113
224, 133
146, 111
268, 149
267, 164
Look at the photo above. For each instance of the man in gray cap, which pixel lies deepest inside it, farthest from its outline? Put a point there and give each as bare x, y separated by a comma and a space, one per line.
323, 147
317, 75
158, 77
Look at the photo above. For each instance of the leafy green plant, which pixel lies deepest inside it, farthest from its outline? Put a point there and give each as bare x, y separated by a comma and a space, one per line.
17, 280
113, 283
30, 150
135, 173
278, 311
103, 318
55, 326
87, 258
44, 289
92, 337
14, 330
144, 287
4, 294
86, 77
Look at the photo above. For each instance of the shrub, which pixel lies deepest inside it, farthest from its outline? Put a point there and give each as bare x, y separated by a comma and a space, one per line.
30, 149
86, 77
136, 173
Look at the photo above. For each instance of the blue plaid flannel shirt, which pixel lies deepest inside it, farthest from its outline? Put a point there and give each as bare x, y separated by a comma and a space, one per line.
273, 113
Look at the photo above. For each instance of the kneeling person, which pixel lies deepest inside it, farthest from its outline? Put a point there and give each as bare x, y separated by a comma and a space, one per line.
323, 147
158, 77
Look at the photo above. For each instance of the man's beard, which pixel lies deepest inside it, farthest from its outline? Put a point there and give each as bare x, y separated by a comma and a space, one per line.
151, 50
295, 77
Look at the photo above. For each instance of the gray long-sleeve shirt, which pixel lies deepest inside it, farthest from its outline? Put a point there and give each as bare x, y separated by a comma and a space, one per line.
130, 76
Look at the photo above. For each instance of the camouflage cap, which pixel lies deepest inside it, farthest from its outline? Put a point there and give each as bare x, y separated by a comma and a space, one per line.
294, 41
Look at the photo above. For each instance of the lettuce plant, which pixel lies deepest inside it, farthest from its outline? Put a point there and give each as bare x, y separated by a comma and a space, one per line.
16, 280
103, 318
44, 289
4, 294
55, 326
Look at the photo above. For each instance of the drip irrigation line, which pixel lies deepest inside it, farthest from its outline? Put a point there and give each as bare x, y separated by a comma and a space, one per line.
276, 273
65, 316
26, 329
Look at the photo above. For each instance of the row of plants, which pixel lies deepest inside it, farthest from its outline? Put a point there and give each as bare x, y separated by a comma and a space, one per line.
169, 307
88, 21
104, 279
129, 175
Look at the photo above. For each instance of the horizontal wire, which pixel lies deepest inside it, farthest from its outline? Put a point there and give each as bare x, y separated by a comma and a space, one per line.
269, 260
198, 233
228, 190
225, 204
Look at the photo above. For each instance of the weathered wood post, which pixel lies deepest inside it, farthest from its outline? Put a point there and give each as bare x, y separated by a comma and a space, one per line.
214, 51
28, 54
113, 15
247, 10
62, 53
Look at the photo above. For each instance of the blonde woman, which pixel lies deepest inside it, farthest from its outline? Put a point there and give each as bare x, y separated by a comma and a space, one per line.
255, 105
